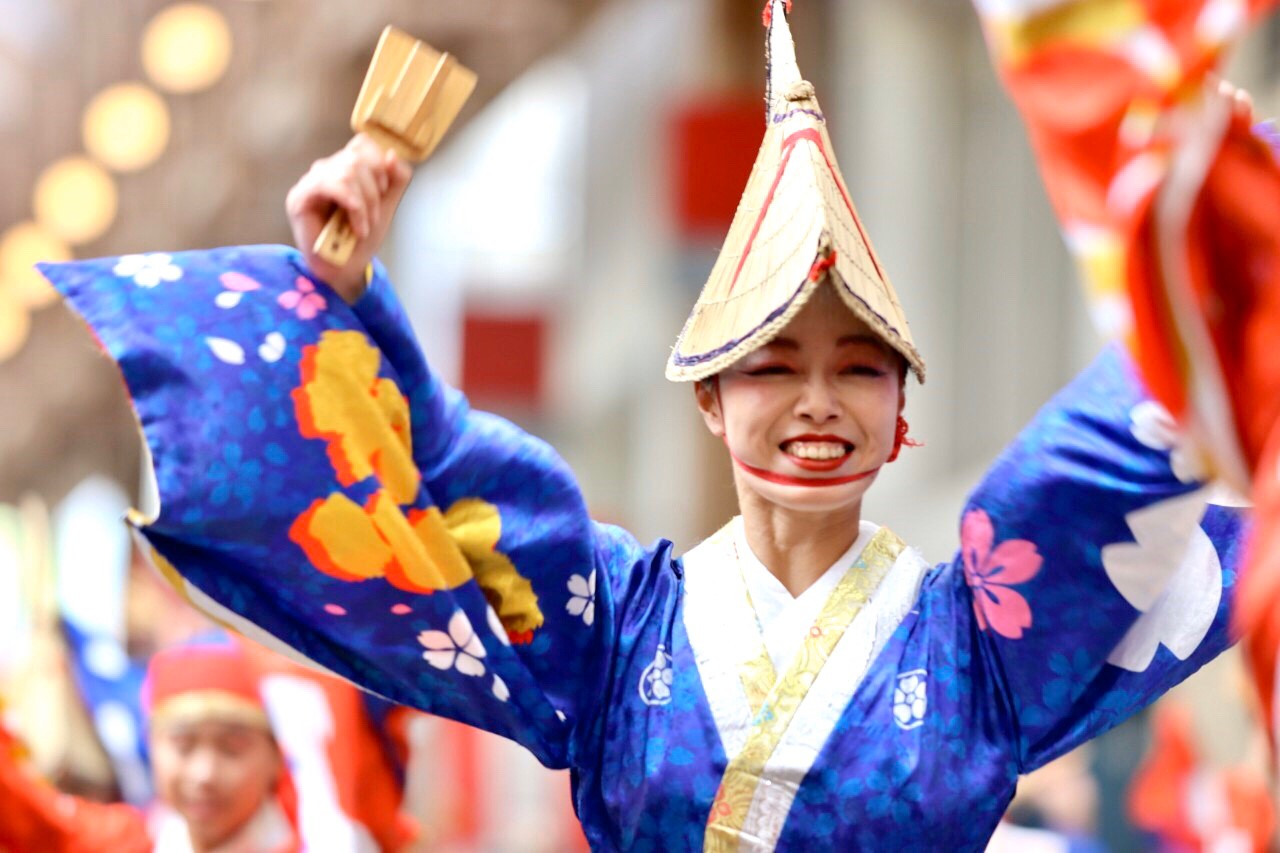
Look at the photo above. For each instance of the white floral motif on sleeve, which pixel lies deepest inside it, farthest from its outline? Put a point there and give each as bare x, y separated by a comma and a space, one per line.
910, 699
495, 625
1154, 427
582, 601
458, 649
656, 680
148, 270
272, 347
1171, 571
227, 351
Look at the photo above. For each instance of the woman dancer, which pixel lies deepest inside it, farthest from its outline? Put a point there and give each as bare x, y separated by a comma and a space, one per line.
801, 679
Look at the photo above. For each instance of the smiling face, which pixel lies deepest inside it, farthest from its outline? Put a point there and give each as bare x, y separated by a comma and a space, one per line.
215, 774
810, 417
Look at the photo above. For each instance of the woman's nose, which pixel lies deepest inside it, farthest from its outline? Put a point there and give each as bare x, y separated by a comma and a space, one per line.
818, 402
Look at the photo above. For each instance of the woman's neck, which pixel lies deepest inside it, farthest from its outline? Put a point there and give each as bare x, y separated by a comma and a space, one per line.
796, 547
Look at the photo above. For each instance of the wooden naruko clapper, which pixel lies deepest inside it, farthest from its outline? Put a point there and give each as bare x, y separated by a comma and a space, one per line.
411, 95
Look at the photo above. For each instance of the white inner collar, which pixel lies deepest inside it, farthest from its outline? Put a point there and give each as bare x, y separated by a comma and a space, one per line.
786, 619
266, 831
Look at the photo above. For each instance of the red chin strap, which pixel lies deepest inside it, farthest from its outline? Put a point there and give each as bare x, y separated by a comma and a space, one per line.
803, 482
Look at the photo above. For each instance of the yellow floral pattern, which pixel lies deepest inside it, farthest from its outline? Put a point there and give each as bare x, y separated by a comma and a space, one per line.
758, 677
365, 420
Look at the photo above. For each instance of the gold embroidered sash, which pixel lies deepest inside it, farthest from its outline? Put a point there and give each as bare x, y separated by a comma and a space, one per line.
778, 707
758, 677
756, 673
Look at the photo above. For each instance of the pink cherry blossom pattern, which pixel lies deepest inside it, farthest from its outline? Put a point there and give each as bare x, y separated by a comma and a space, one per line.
992, 572
236, 286
303, 299
238, 282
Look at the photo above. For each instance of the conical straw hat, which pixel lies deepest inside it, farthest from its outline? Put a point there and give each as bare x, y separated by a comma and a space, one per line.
795, 228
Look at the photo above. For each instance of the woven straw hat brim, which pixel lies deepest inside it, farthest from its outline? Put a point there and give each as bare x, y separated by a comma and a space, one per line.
795, 227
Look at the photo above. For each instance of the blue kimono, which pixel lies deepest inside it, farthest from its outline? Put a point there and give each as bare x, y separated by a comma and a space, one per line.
324, 493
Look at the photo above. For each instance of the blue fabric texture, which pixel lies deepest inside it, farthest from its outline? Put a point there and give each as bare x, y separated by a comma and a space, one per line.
1066, 561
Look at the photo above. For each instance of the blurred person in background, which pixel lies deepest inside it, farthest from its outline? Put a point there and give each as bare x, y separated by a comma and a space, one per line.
215, 764
227, 779
800, 680
1186, 803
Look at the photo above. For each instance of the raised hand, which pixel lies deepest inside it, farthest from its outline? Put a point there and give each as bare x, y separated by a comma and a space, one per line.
366, 182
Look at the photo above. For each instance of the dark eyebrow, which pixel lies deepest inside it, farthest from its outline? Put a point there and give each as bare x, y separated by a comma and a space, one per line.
862, 338
783, 343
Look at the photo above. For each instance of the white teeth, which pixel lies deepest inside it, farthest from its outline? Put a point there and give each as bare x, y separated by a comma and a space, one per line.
815, 449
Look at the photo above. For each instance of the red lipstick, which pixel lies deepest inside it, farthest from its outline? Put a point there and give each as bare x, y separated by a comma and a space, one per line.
818, 464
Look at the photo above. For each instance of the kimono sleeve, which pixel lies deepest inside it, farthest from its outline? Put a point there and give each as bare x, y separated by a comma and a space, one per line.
324, 493
1170, 202
1094, 569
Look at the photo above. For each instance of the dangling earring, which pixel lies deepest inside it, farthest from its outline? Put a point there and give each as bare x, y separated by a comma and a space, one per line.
900, 439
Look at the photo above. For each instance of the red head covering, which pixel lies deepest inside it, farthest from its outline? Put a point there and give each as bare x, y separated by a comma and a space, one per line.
202, 680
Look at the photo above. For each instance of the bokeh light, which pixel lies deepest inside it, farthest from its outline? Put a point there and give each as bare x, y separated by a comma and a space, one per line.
21, 247
186, 47
76, 199
15, 325
126, 127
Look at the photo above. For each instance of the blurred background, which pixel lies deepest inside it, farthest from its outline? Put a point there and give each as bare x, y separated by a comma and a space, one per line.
548, 254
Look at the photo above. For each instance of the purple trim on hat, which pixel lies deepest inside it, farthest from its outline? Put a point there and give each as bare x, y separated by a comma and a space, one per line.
768, 68
691, 360
874, 313
781, 117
